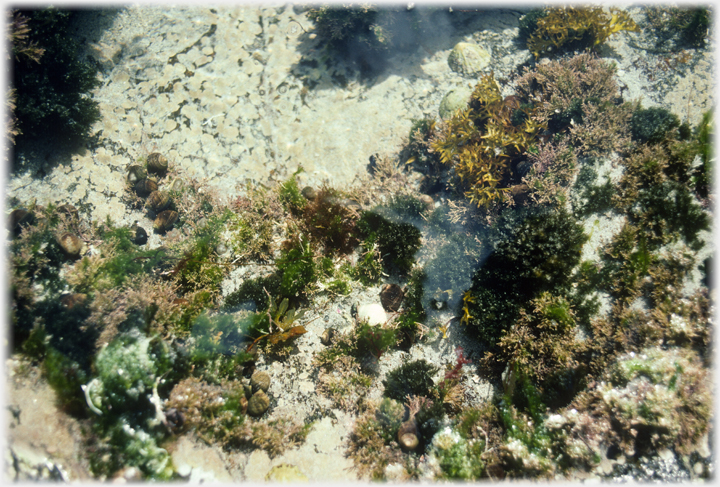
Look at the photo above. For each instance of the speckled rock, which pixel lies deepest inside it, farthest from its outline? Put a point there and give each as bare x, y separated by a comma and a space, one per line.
258, 404
260, 381
285, 473
468, 59
453, 100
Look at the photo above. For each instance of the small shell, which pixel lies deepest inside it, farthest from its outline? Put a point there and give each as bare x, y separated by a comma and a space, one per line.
145, 186
138, 234
309, 193
260, 381
258, 404
67, 209
135, 173
327, 336
69, 301
157, 201
165, 221
157, 163
19, 218
391, 297
177, 185
70, 244
407, 435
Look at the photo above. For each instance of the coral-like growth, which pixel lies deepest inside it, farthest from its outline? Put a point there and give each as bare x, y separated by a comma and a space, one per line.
330, 222
577, 27
579, 95
397, 242
481, 141
533, 255
649, 125
653, 399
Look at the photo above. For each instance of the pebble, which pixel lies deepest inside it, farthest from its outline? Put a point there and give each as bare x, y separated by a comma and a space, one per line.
373, 313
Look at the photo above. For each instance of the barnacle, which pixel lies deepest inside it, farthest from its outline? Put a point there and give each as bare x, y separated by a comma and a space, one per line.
586, 26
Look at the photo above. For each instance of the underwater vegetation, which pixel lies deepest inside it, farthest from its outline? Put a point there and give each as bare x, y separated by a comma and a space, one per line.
482, 141
533, 254
51, 90
574, 28
594, 355
681, 26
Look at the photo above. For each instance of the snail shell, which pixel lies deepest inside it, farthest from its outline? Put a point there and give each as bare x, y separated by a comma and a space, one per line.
67, 209
145, 186
157, 163
309, 193
391, 297
19, 218
260, 381
408, 435
258, 404
165, 220
136, 173
158, 200
138, 234
70, 244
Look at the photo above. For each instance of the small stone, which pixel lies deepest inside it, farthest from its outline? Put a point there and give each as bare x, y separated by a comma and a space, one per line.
260, 381
373, 313
427, 200
453, 101
285, 473
69, 301
468, 59
258, 404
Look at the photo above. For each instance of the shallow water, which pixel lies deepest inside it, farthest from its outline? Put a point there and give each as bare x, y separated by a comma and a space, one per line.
250, 96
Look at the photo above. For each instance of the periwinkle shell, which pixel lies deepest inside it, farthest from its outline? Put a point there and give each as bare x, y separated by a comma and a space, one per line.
165, 220
258, 404
144, 187
19, 218
407, 435
157, 163
138, 234
391, 297
135, 173
70, 244
158, 201
260, 381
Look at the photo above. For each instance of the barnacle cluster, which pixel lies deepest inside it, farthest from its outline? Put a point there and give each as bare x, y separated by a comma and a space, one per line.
568, 27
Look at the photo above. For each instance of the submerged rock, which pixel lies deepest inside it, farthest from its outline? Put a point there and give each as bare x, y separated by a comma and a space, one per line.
455, 99
468, 59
